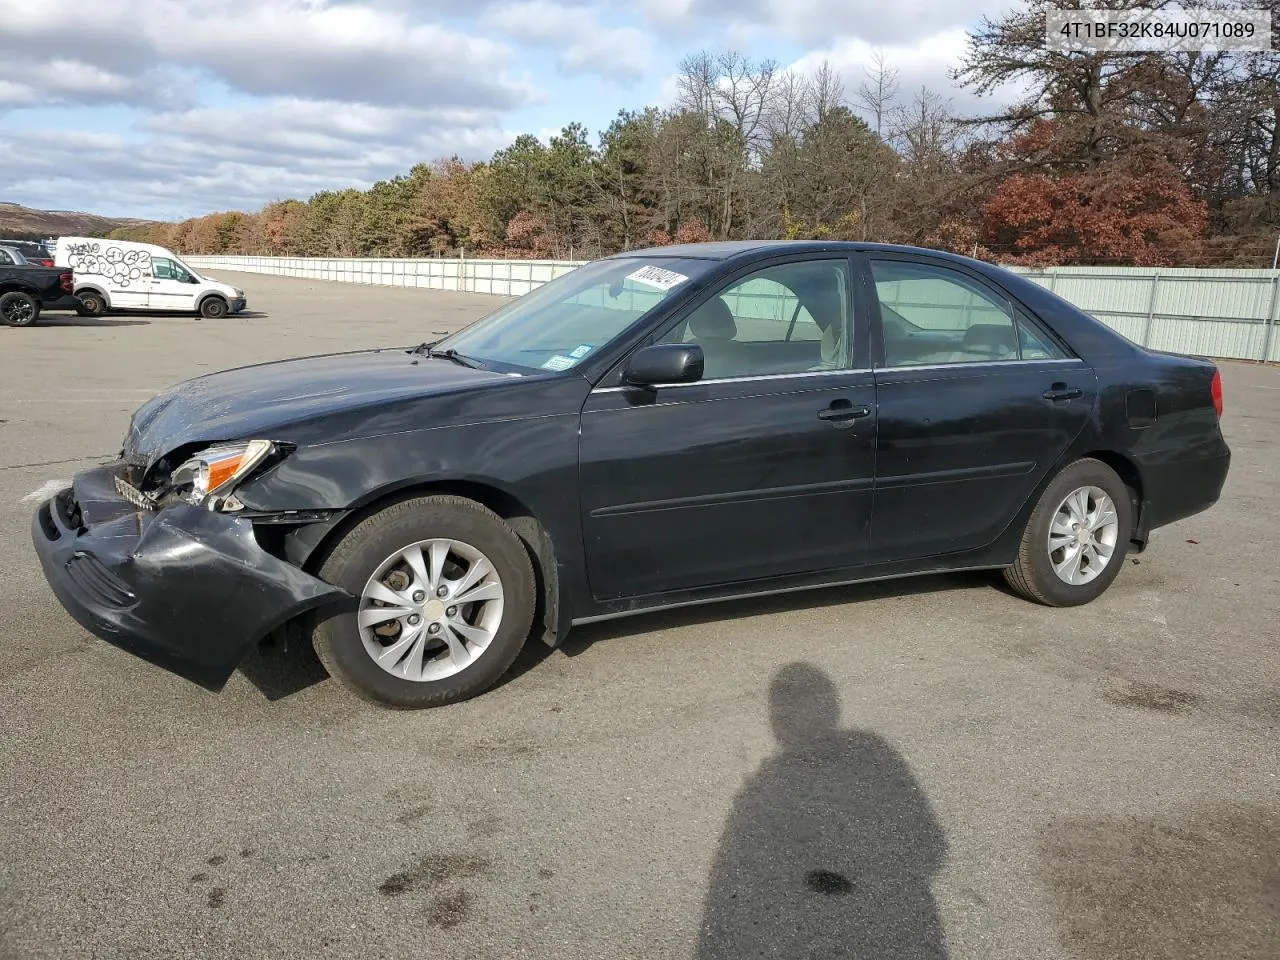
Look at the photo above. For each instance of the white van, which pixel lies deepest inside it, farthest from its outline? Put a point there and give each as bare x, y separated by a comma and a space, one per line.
122, 275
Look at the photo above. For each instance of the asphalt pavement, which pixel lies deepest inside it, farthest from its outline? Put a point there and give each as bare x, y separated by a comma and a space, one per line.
924, 768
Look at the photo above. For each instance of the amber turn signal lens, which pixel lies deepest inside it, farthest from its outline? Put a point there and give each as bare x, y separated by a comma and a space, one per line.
222, 469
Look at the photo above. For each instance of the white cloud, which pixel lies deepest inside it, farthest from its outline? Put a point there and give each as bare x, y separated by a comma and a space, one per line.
821, 21
575, 33
271, 47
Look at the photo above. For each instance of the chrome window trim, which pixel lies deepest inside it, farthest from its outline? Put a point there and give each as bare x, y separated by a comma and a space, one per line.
958, 365
964, 364
762, 376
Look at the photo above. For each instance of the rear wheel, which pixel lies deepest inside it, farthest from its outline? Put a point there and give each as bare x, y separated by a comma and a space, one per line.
214, 308
90, 303
19, 309
1077, 537
445, 599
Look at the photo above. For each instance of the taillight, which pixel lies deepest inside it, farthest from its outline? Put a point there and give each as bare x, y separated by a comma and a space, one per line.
1215, 391
67, 282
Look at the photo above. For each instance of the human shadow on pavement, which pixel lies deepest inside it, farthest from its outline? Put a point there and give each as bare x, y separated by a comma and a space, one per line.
831, 847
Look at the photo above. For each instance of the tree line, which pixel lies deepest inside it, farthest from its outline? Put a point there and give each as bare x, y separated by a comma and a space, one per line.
1110, 158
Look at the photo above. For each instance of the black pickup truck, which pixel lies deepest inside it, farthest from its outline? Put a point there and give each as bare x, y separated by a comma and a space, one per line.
25, 289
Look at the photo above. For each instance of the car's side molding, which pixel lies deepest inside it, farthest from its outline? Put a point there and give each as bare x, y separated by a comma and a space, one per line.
797, 588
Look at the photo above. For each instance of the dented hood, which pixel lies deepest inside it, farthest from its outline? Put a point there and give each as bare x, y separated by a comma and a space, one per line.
259, 401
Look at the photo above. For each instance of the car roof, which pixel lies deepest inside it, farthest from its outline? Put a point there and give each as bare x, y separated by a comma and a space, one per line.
733, 249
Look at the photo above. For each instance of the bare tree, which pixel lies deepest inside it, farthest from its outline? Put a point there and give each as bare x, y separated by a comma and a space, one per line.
877, 92
733, 95
826, 92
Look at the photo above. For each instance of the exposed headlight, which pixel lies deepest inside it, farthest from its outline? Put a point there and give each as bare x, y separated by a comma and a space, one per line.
211, 475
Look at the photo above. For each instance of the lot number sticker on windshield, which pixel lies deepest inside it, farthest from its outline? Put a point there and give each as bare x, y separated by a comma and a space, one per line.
559, 362
657, 277
580, 351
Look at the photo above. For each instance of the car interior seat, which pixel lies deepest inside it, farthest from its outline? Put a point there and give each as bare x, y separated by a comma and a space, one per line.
714, 329
825, 304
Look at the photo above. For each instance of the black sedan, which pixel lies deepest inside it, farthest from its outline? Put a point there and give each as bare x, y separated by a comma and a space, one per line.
663, 427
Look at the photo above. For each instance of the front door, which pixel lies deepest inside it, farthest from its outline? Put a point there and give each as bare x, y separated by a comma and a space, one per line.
763, 467
978, 402
171, 286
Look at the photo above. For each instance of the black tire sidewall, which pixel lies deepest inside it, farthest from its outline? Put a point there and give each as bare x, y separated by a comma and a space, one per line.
368, 544
35, 308
1082, 473
213, 309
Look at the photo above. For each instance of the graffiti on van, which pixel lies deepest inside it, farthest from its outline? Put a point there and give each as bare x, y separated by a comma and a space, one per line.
121, 267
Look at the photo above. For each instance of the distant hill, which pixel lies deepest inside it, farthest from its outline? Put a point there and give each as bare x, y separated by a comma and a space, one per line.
18, 222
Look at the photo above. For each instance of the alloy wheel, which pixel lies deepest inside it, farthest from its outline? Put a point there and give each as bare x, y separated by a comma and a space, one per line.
18, 312
1083, 535
430, 610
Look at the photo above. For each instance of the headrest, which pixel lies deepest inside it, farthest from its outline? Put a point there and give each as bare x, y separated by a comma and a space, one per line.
713, 321
990, 338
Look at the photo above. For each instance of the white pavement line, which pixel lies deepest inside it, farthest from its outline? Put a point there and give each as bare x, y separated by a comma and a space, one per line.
45, 490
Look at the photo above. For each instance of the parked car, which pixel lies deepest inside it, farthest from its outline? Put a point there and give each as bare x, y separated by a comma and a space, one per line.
12, 257
24, 289
123, 275
34, 253
659, 428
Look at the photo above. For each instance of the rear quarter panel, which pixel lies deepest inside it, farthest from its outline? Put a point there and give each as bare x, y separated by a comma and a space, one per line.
1153, 409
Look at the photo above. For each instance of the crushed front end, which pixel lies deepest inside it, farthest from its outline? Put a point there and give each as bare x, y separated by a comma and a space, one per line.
185, 587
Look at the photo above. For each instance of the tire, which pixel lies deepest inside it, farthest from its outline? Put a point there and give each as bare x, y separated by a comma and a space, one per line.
213, 308
1033, 573
347, 649
91, 304
18, 309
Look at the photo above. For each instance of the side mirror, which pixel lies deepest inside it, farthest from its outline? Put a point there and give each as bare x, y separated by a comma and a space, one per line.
664, 363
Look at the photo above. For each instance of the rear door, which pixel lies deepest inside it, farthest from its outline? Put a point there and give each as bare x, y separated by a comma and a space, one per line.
763, 468
978, 401
171, 286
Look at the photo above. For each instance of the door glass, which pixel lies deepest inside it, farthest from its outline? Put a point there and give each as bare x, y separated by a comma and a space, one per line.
5, 259
787, 318
931, 314
1036, 344
163, 269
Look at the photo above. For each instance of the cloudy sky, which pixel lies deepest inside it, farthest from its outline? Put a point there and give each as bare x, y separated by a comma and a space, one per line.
171, 108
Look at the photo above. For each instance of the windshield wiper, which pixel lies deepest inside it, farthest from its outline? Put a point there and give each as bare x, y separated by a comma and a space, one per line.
452, 354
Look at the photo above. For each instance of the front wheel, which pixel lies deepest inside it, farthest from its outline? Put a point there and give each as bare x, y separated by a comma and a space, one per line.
445, 600
214, 308
1077, 537
19, 309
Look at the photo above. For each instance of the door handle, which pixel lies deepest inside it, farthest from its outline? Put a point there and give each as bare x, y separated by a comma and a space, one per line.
1060, 391
842, 410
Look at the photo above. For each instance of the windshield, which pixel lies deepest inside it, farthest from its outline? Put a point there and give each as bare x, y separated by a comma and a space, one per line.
560, 324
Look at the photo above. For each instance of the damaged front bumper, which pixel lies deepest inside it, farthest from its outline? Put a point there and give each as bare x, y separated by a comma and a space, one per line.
185, 588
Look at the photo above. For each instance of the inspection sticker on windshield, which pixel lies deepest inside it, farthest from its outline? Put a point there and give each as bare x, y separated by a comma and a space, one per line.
559, 362
581, 350
657, 277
